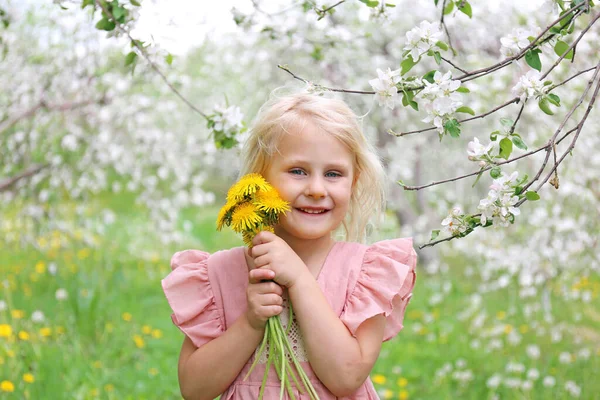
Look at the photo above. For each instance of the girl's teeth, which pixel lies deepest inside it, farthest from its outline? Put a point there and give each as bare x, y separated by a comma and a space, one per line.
312, 211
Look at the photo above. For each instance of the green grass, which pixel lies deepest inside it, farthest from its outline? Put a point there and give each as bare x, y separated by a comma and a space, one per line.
113, 337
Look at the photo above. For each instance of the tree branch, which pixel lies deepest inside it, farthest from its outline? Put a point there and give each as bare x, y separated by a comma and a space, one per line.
444, 25
323, 12
286, 69
8, 183
147, 57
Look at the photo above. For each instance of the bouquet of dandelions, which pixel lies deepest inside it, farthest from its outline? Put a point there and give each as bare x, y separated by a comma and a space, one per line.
253, 205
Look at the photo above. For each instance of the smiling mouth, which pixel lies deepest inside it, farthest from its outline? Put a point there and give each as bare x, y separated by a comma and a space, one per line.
312, 211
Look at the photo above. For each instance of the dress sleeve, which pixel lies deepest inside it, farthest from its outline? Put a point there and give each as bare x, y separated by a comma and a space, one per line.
190, 295
384, 286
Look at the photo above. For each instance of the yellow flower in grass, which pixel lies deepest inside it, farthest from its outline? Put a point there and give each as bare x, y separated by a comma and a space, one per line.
245, 217
403, 395
5, 330
139, 341
7, 386
379, 379
23, 335
246, 187
29, 378
270, 202
17, 314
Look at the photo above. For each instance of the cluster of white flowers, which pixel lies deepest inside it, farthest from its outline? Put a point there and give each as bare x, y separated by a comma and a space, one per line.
573, 389
228, 120
516, 41
453, 223
480, 153
385, 86
499, 203
441, 99
530, 85
423, 38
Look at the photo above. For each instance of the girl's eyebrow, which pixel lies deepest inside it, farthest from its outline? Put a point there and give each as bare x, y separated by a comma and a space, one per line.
332, 165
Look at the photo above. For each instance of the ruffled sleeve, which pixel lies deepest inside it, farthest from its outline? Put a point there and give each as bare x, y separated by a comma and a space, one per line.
190, 295
384, 286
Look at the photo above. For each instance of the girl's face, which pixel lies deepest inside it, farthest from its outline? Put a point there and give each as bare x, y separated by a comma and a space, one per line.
314, 172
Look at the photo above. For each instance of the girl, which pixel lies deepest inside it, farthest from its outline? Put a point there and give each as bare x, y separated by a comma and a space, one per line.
347, 297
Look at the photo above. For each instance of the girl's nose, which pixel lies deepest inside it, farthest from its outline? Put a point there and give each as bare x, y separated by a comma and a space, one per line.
316, 188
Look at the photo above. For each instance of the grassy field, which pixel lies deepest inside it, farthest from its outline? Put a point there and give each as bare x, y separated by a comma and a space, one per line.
78, 322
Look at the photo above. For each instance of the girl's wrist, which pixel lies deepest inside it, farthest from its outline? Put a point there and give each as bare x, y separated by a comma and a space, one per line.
256, 326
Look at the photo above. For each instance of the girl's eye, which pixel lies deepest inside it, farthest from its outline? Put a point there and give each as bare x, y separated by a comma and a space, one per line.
296, 171
332, 174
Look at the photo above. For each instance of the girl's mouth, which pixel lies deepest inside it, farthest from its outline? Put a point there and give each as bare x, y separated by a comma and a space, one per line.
312, 210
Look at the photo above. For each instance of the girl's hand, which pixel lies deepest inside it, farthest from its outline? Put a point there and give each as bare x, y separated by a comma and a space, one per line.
264, 298
273, 253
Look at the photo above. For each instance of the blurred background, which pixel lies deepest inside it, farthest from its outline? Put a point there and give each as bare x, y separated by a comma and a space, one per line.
110, 162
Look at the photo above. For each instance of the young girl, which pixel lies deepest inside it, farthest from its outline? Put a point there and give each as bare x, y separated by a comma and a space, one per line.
347, 297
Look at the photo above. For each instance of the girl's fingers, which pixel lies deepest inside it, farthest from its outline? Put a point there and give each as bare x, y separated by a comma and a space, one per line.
270, 299
261, 261
259, 275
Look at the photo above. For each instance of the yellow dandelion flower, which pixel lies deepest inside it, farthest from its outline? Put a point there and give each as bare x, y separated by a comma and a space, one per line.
501, 315
126, 316
97, 364
379, 379
94, 392
388, 394
109, 327
146, 329
403, 395
23, 335
29, 378
83, 253
45, 332
40, 267
221, 218
10, 354
17, 314
153, 371
109, 387
7, 386
247, 186
271, 202
60, 330
1, 360
524, 328
139, 341
508, 328
245, 217
5, 330
402, 382
157, 333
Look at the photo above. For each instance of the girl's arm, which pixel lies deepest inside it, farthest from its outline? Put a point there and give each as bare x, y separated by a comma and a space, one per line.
342, 362
207, 371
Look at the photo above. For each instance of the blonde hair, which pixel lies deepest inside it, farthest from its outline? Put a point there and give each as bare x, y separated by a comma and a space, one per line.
280, 114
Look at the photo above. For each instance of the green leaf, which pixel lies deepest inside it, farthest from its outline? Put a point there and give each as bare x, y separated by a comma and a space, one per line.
105, 25
554, 99
453, 128
438, 57
466, 9
507, 122
442, 45
543, 104
135, 3
370, 3
466, 110
532, 196
477, 180
463, 89
533, 60
506, 147
434, 234
519, 142
130, 58
390, 5
119, 13
429, 76
561, 47
449, 8
86, 3
169, 58
494, 135
495, 172
414, 105
407, 64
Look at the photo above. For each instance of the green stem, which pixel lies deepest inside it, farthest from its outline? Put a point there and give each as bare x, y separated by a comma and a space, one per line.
265, 375
260, 352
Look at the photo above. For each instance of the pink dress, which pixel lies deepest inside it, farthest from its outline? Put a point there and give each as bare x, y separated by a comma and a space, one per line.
208, 293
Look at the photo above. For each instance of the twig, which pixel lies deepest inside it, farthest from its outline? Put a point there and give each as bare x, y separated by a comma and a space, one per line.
444, 25
323, 12
501, 106
7, 184
572, 46
152, 64
406, 187
455, 66
568, 79
512, 128
283, 67
9, 123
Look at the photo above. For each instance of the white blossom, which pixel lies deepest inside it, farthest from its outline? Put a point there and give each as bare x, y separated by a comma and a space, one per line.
533, 351
572, 388
549, 381
440, 99
2, 305
423, 38
385, 86
530, 85
516, 41
61, 294
37, 316
565, 358
228, 120
494, 381
453, 224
